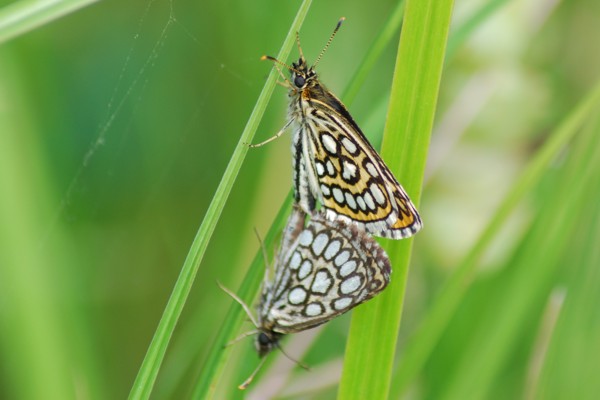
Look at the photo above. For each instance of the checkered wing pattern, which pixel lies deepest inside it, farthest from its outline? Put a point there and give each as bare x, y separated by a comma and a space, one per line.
335, 164
327, 269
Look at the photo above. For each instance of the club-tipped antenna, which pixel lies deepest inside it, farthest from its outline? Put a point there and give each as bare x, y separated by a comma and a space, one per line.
276, 61
337, 28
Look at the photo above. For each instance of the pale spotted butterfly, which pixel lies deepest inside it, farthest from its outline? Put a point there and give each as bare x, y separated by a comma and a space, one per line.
321, 271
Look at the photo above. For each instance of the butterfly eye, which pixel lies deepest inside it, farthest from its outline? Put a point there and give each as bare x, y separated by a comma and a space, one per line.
299, 81
263, 339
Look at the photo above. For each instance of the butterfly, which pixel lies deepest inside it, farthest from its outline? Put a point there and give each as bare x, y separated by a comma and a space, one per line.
335, 165
321, 271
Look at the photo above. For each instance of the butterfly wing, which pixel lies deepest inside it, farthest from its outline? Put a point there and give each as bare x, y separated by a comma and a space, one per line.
342, 170
330, 268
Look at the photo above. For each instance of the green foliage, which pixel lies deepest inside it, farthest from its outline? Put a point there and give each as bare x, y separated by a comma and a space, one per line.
121, 138
374, 328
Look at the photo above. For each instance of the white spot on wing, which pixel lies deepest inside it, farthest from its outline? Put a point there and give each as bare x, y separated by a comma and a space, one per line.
297, 295
350, 285
348, 268
325, 190
371, 169
361, 202
322, 283
377, 193
338, 195
369, 201
349, 170
320, 168
332, 249
350, 201
342, 258
305, 269
329, 143
295, 260
330, 168
314, 309
319, 243
342, 303
351, 147
306, 238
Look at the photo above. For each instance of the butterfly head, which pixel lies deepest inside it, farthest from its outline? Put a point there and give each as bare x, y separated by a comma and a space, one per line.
302, 74
266, 342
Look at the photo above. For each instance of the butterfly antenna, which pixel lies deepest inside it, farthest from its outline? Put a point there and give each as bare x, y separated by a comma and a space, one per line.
277, 64
337, 28
276, 61
299, 46
241, 302
302, 365
247, 382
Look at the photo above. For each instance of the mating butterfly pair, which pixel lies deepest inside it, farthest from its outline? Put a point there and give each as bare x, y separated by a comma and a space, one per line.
331, 265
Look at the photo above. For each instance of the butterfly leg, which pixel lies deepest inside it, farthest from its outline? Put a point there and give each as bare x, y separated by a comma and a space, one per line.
278, 134
241, 302
244, 385
242, 336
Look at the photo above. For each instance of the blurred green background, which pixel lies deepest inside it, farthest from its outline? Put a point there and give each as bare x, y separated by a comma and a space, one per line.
118, 120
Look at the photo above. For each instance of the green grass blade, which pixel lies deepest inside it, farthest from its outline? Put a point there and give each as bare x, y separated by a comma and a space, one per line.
373, 332
24, 16
531, 274
381, 41
433, 324
213, 368
36, 335
146, 377
574, 351
466, 29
